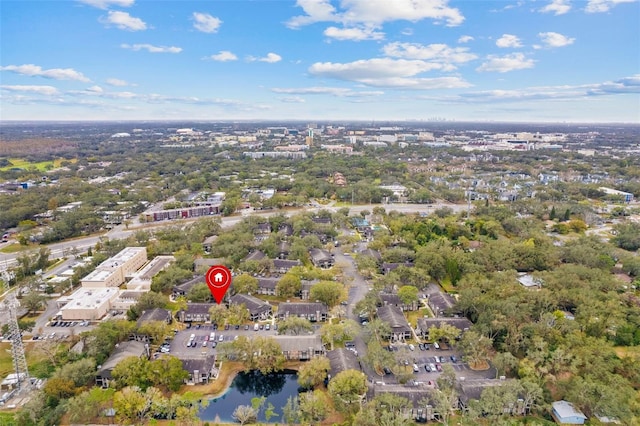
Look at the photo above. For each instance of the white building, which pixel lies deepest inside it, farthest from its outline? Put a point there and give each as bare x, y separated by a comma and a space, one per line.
87, 303
113, 271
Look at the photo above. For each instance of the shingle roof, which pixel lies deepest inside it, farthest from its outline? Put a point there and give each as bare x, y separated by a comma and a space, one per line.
201, 364
304, 308
460, 323
253, 304
393, 316
342, 359
156, 314
122, 351
298, 343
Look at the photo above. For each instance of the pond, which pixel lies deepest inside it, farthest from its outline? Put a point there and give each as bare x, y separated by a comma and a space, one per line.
277, 388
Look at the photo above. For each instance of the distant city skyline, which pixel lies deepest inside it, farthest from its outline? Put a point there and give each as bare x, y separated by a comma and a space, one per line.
383, 60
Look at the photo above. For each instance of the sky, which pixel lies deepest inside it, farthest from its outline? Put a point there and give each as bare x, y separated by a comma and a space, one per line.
473, 60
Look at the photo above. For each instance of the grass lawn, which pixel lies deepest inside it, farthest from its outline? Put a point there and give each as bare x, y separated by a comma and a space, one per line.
630, 351
15, 248
41, 166
412, 316
447, 286
7, 419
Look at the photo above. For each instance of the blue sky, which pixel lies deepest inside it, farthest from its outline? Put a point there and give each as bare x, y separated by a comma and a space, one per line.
543, 61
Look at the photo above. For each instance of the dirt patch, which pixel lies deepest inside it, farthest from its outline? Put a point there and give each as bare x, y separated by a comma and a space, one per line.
480, 366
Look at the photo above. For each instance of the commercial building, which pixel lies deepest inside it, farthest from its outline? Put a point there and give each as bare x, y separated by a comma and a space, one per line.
113, 271
87, 303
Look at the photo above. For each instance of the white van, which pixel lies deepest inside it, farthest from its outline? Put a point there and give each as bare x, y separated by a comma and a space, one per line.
436, 345
256, 327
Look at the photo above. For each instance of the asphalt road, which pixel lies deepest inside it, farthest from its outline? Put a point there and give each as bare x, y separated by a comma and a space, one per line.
63, 249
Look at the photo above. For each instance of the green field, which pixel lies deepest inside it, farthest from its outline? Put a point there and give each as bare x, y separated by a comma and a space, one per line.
41, 166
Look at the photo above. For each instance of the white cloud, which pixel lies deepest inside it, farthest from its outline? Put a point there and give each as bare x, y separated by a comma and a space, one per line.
42, 90
53, 73
205, 22
599, 6
95, 89
124, 21
151, 48
551, 39
270, 58
354, 34
508, 40
223, 56
387, 72
465, 39
439, 53
293, 100
333, 91
512, 62
105, 4
375, 12
558, 7
621, 86
117, 82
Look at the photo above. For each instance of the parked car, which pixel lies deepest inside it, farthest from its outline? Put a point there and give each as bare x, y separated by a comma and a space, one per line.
411, 347
421, 346
453, 358
416, 368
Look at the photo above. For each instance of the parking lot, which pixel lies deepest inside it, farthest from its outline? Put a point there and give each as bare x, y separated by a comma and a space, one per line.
434, 360
202, 334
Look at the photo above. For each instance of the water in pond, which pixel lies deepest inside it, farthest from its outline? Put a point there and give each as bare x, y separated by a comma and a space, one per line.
277, 388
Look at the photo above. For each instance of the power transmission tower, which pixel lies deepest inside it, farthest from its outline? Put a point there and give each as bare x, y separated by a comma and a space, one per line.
12, 305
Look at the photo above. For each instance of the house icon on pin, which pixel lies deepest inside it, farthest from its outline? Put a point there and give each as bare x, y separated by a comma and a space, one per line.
218, 277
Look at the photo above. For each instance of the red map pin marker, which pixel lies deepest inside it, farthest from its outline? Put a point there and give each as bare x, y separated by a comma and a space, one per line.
218, 279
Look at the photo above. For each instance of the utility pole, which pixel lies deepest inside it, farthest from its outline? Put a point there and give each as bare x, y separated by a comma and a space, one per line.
12, 305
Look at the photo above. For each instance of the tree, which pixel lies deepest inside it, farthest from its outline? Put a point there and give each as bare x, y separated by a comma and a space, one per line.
132, 371
79, 372
476, 348
313, 372
408, 294
627, 236
32, 302
386, 409
57, 388
378, 357
313, 407
289, 285
328, 292
245, 414
445, 332
156, 330
167, 371
504, 362
199, 293
332, 333
291, 411
258, 353
245, 284
377, 328
348, 388
294, 325
84, 408
131, 405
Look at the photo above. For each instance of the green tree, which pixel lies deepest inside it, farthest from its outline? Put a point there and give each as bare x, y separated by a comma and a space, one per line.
378, 357
386, 409
475, 347
295, 326
313, 372
33, 301
348, 388
132, 371
504, 362
199, 293
291, 411
445, 332
289, 285
408, 294
167, 371
80, 372
328, 292
131, 405
338, 332
245, 284
258, 353
147, 301
313, 407
156, 330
